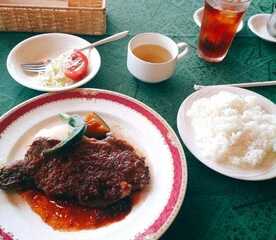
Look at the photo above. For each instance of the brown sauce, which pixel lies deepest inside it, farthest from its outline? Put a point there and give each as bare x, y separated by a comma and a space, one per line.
66, 216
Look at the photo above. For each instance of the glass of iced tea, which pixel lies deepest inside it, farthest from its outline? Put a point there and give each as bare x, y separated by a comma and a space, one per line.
220, 21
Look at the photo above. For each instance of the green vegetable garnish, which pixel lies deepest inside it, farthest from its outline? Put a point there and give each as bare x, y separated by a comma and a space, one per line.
79, 128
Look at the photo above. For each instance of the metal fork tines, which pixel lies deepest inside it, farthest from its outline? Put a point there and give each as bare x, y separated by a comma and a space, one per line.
35, 67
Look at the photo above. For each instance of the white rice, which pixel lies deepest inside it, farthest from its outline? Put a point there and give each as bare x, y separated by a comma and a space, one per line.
234, 129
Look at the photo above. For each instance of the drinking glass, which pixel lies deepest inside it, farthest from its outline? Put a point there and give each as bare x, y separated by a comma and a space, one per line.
220, 21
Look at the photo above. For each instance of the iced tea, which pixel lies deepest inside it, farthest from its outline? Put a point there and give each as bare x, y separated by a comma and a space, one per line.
221, 19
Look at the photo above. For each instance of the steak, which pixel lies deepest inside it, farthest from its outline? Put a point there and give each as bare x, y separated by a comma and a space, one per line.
93, 173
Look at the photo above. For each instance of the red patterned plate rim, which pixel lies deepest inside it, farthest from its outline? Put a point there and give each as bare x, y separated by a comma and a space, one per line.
168, 214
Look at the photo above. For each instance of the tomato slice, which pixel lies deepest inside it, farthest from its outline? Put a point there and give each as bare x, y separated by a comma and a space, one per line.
76, 66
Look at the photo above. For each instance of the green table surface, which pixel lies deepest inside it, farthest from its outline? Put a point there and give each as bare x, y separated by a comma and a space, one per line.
215, 207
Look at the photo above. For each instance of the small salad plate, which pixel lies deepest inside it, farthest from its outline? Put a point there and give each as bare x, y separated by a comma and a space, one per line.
187, 134
49, 46
198, 15
258, 25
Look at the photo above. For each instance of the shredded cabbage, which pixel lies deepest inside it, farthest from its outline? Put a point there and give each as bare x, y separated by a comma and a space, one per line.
54, 74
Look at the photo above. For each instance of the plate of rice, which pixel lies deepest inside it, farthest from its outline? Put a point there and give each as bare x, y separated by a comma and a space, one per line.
230, 130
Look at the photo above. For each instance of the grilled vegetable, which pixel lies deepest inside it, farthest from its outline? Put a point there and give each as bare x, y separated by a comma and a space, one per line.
96, 126
79, 128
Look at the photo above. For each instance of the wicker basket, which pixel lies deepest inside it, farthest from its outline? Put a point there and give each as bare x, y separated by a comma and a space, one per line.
72, 16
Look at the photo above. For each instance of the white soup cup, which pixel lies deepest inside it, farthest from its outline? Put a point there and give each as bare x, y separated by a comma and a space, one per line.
154, 72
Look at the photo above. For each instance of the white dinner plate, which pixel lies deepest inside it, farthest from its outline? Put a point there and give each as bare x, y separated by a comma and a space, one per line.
128, 119
48, 46
186, 132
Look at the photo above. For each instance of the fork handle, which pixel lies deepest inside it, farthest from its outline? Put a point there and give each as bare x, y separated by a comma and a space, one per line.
242, 85
112, 38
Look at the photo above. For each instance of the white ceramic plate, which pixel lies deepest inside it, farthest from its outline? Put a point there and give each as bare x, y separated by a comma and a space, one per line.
48, 46
128, 119
257, 25
186, 132
198, 15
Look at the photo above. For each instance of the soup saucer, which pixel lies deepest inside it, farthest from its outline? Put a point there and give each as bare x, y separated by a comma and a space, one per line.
257, 25
198, 14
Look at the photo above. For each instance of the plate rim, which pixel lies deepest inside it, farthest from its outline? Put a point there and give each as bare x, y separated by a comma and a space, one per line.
173, 138
50, 89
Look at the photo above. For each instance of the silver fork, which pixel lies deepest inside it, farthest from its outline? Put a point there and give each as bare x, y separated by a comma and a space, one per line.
36, 67
41, 66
